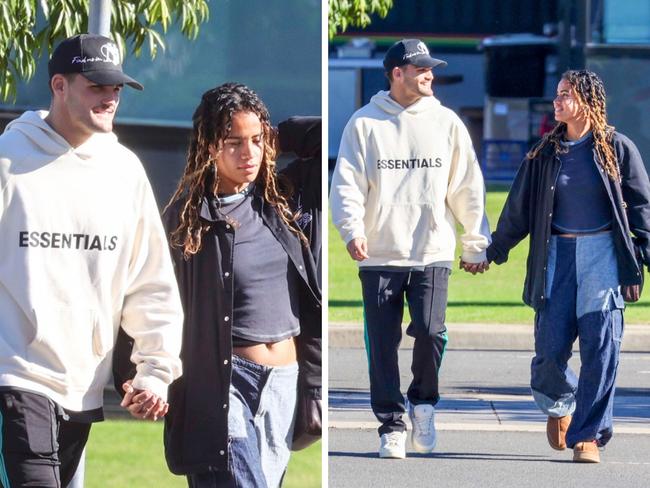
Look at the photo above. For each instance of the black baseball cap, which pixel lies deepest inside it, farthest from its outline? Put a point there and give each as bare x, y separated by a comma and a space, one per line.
95, 57
410, 51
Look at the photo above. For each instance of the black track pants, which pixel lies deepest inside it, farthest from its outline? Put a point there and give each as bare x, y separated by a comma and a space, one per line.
38, 447
383, 301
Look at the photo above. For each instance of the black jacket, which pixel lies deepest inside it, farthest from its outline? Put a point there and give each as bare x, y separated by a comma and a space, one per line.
529, 208
196, 426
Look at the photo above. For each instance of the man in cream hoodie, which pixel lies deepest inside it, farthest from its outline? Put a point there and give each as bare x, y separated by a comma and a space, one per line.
83, 252
406, 174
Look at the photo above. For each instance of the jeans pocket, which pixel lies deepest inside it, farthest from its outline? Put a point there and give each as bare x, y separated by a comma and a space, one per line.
617, 305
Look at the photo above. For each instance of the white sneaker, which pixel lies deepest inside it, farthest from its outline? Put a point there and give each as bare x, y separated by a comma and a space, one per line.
423, 430
393, 445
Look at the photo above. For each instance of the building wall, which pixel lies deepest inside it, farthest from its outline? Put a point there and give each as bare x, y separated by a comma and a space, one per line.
273, 46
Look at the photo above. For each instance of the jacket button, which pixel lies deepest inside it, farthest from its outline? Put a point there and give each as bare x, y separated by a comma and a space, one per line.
226, 318
225, 361
552, 188
227, 226
542, 297
221, 452
226, 274
550, 215
225, 405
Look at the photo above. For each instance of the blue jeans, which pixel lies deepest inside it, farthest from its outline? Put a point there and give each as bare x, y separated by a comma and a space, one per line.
583, 301
260, 426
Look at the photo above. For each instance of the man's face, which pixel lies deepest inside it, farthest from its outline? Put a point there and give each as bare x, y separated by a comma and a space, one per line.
240, 157
91, 107
416, 81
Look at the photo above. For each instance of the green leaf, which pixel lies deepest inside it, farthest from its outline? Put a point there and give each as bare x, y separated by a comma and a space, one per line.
133, 22
345, 13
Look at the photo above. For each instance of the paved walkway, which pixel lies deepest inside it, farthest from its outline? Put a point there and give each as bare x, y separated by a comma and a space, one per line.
491, 434
482, 390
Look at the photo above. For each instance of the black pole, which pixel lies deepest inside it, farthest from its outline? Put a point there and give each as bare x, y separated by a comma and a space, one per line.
574, 33
582, 33
564, 35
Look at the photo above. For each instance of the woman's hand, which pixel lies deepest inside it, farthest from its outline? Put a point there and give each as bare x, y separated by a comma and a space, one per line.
143, 404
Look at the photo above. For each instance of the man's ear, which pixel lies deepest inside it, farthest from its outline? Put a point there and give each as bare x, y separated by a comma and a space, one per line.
58, 84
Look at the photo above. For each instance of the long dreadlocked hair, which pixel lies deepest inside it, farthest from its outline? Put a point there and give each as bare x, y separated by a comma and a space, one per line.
212, 123
590, 92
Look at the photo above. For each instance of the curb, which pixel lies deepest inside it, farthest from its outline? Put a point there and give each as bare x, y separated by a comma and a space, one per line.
514, 337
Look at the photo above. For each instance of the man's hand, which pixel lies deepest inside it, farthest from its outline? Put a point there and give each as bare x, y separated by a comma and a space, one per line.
358, 248
474, 267
143, 404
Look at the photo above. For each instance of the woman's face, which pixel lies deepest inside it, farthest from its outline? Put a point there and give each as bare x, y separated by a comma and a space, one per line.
240, 158
566, 105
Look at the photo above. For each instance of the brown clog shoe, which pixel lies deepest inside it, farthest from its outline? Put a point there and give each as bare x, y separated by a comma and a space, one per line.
556, 428
586, 452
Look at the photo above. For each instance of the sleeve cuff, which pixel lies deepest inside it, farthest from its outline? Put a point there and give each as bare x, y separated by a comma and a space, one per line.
351, 236
151, 383
473, 257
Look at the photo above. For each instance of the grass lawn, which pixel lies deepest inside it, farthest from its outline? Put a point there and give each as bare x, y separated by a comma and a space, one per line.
492, 297
130, 453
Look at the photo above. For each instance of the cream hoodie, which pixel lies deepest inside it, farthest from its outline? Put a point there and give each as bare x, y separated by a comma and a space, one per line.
403, 179
82, 251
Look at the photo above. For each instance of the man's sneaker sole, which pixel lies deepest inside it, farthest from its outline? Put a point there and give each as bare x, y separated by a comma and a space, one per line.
422, 449
391, 455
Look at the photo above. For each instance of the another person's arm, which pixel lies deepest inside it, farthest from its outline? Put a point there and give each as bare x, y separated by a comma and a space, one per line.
636, 193
301, 135
349, 191
513, 224
152, 316
466, 199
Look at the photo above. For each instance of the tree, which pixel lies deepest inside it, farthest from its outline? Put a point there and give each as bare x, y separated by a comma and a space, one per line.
23, 40
345, 13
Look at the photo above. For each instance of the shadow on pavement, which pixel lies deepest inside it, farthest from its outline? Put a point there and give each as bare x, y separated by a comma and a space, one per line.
450, 455
492, 390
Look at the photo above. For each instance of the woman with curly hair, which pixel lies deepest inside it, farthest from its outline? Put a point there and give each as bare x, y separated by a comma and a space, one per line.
583, 196
249, 286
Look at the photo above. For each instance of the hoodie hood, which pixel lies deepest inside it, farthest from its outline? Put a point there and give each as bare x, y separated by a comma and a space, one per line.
385, 103
34, 127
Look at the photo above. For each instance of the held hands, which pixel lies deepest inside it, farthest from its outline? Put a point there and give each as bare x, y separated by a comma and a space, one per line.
143, 404
358, 248
474, 267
